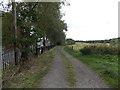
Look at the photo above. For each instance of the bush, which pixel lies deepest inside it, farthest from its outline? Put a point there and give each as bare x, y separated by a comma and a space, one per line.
86, 51
99, 49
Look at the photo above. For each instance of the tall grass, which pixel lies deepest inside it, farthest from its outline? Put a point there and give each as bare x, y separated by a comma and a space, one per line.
100, 49
32, 77
96, 48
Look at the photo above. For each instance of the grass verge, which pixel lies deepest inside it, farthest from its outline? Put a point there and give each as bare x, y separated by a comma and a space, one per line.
0, 73
105, 65
32, 77
70, 71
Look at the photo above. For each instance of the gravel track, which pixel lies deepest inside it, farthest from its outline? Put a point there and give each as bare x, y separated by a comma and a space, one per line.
56, 77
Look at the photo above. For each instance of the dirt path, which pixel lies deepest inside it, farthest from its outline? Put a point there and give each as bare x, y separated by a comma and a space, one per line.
86, 78
56, 77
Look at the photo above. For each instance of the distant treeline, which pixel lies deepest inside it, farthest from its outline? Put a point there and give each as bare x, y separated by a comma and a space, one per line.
114, 40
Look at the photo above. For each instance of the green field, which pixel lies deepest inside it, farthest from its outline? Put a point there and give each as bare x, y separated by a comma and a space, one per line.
105, 65
77, 46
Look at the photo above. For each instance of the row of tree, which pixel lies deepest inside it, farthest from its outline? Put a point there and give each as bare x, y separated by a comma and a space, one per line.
114, 40
36, 21
70, 41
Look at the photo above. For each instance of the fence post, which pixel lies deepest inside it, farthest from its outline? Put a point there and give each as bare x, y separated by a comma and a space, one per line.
72, 47
36, 50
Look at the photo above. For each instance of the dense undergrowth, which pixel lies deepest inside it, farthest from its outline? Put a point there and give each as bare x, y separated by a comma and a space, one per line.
33, 72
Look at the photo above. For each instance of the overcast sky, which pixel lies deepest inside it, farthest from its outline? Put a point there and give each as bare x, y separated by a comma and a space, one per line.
92, 19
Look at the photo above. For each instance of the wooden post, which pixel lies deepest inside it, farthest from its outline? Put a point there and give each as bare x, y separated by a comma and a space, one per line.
15, 28
72, 47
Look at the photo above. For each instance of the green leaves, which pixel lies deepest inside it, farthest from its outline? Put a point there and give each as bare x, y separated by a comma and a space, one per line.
35, 21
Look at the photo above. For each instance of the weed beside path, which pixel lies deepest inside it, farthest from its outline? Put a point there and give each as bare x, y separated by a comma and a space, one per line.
32, 77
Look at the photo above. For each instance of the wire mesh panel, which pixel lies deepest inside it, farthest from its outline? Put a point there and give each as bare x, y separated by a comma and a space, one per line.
7, 59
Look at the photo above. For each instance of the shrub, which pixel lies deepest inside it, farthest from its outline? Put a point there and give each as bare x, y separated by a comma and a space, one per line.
86, 50
100, 49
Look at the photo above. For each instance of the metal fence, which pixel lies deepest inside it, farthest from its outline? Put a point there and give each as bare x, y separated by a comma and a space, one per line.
8, 57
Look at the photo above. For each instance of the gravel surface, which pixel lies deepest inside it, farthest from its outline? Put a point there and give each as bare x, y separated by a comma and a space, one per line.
56, 77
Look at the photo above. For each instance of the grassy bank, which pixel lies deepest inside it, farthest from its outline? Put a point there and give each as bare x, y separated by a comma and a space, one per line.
105, 65
70, 71
32, 77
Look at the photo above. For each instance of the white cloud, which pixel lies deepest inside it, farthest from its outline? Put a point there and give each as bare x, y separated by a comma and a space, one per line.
92, 19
